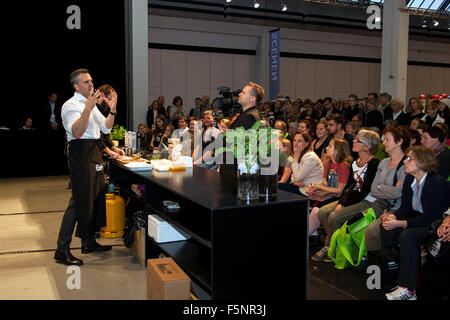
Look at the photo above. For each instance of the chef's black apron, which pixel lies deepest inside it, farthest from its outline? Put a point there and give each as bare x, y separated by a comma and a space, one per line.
88, 185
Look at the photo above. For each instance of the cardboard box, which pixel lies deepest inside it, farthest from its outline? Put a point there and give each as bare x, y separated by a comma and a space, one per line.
138, 248
166, 280
162, 231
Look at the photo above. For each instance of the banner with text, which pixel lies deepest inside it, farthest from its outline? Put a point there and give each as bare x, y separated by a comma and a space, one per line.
274, 63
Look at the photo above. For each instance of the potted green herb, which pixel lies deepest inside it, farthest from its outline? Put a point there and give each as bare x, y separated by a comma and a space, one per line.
255, 152
117, 134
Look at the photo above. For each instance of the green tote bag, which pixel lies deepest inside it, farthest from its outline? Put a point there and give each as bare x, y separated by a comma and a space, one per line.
349, 241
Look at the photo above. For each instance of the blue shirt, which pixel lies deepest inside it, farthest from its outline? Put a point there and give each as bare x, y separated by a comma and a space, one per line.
417, 194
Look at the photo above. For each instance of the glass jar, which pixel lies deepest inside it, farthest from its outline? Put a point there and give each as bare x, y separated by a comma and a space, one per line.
248, 182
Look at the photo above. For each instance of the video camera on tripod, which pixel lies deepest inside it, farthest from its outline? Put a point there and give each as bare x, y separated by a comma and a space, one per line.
228, 102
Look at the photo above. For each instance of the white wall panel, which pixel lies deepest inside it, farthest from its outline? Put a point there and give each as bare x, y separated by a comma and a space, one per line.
304, 95
153, 93
197, 69
342, 77
305, 75
411, 82
154, 67
447, 81
437, 84
374, 77
324, 76
221, 71
173, 69
360, 78
423, 79
288, 68
242, 66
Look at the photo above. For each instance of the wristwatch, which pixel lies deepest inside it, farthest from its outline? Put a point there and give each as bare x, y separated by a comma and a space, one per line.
113, 113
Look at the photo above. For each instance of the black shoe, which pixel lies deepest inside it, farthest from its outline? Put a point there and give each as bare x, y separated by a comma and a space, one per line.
94, 247
67, 258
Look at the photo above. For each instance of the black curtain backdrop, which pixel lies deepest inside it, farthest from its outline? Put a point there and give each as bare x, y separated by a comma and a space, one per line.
40, 53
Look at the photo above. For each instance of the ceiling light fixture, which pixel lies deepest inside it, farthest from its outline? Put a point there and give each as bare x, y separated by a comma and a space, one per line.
283, 6
424, 23
256, 4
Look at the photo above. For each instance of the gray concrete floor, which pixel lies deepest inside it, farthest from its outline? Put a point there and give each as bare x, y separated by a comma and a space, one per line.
30, 215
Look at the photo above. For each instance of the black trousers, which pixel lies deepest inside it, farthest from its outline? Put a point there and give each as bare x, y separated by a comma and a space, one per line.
289, 187
410, 240
87, 204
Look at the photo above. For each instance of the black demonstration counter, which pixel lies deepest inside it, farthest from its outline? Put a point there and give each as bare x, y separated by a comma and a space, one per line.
237, 250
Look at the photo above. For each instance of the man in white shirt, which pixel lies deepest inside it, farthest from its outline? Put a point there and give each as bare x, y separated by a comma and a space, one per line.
83, 122
203, 155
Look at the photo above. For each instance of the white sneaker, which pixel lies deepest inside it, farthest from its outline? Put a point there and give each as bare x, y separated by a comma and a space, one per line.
401, 293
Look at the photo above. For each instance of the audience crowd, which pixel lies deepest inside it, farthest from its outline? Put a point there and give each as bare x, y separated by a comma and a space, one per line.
346, 156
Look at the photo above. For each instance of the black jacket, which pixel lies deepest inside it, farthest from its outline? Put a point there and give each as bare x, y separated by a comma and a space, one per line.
374, 118
434, 199
402, 119
150, 116
246, 119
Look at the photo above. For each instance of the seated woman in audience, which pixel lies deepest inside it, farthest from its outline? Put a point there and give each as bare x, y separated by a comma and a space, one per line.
391, 124
387, 186
335, 177
306, 166
432, 117
444, 110
416, 109
286, 165
158, 132
415, 135
323, 138
374, 118
309, 126
419, 125
144, 136
168, 130
424, 200
355, 197
351, 128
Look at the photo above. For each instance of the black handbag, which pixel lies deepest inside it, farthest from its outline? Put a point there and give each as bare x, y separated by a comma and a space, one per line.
349, 194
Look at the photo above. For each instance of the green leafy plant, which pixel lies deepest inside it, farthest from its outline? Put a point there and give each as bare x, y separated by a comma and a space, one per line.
117, 132
253, 146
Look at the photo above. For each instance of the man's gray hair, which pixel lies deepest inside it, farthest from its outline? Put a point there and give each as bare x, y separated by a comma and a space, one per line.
74, 75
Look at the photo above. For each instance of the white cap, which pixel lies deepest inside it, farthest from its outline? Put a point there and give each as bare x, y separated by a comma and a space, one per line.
446, 102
